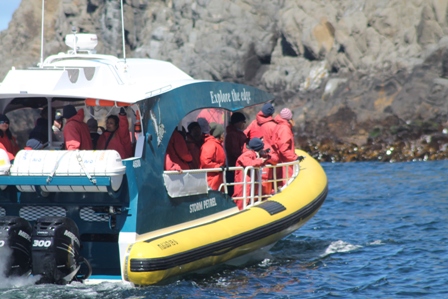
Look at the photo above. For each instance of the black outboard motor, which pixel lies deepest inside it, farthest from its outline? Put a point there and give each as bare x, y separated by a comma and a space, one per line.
15, 244
55, 250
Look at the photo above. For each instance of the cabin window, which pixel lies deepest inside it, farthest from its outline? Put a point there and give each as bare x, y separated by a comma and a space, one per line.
32, 123
103, 116
205, 117
22, 122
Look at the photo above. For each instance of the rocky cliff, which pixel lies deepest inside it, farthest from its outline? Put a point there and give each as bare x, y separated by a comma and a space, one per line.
367, 79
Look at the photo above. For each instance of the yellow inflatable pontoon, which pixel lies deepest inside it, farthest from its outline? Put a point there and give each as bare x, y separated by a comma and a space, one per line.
154, 260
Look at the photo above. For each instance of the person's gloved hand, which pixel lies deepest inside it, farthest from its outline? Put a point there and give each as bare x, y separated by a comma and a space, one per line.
122, 111
300, 158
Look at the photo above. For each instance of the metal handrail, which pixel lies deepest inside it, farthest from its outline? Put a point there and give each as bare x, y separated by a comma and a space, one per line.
255, 180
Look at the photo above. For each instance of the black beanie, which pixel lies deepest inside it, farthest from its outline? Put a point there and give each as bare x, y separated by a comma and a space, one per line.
237, 117
4, 118
68, 111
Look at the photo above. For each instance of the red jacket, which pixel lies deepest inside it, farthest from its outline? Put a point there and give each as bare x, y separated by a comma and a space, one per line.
235, 144
253, 130
283, 140
76, 133
212, 156
10, 146
121, 141
248, 158
267, 126
177, 155
262, 127
5, 140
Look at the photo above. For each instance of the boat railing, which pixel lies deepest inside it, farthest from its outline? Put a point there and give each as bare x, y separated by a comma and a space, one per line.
256, 186
261, 187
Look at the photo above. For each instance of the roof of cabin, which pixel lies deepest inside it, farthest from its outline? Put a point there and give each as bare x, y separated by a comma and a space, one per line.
94, 76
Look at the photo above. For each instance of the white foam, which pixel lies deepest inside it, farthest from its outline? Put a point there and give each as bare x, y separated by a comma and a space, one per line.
376, 242
265, 263
12, 282
340, 246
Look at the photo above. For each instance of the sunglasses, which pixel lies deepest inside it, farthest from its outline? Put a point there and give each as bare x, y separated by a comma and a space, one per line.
4, 122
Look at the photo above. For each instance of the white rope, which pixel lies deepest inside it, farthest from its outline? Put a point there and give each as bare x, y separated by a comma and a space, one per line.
50, 177
81, 163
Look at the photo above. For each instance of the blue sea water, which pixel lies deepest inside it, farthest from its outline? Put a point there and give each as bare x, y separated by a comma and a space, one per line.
381, 233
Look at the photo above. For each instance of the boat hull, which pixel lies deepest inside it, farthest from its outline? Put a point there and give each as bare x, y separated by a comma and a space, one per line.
155, 260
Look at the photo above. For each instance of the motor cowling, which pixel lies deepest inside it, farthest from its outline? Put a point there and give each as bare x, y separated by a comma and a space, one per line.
15, 245
55, 250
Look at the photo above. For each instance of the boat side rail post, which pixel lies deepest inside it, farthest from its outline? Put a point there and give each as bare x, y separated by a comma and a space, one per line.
255, 181
286, 178
274, 172
260, 183
252, 193
244, 197
246, 170
252, 187
289, 178
224, 180
231, 169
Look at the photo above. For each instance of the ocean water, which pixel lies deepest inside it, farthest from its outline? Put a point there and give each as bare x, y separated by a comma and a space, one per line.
381, 233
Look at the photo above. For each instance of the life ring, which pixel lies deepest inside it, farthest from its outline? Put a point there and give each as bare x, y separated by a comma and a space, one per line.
105, 103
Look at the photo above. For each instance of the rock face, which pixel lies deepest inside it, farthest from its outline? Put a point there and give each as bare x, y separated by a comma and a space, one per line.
364, 74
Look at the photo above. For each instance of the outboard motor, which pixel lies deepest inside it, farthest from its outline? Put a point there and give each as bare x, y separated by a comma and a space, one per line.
55, 250
15, 245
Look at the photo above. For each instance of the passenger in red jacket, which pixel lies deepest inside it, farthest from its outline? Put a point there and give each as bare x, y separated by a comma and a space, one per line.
283, 140
213, 155
263, 126
6, 139
116, 137
76, 132
255, 156
235, 143
177, 155
195, 140
253, 130
93, 128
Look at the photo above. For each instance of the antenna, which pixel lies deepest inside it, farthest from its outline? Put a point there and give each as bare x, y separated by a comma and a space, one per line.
74, 39
42, 37
122, 32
